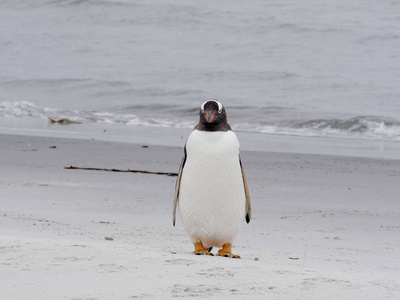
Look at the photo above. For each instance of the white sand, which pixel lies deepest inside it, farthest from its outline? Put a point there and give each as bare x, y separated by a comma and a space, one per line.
339, 216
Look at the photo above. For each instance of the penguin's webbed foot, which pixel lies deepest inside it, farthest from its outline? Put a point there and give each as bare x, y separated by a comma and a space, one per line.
199, 249
227, 252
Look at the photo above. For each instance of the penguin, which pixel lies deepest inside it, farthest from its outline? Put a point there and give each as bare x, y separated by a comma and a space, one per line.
211, 189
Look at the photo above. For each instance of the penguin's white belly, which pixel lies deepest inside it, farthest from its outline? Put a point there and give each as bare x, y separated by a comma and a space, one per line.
212, 198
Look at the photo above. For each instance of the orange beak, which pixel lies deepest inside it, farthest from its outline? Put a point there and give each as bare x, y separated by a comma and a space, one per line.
209, 117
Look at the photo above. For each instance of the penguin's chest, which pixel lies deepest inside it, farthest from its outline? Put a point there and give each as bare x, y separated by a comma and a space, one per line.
212, 169
211, 191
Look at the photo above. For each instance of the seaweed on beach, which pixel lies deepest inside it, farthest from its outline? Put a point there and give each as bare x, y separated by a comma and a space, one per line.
117, 170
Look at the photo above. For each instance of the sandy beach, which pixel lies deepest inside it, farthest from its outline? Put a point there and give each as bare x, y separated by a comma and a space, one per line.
311, 90
323, 227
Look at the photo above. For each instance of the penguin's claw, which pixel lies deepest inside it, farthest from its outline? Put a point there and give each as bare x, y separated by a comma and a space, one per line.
227, 252
204, 253
231, 255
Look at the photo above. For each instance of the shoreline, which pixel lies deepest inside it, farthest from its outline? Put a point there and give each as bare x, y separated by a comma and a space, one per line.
321, 225
176, 137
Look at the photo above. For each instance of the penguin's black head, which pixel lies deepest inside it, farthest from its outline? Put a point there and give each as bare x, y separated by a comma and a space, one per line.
212, 114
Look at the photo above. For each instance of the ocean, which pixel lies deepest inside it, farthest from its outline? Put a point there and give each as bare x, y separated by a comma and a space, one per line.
295, 76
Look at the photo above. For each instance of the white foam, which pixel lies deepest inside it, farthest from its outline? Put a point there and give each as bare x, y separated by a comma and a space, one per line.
358, 128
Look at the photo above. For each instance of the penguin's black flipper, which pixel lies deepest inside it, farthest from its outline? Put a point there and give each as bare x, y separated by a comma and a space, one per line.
246, 192
178, 186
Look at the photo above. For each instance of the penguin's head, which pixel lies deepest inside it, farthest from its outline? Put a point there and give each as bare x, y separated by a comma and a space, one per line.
212, 113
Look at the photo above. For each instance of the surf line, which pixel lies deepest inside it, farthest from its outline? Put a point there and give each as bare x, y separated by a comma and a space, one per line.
117, 170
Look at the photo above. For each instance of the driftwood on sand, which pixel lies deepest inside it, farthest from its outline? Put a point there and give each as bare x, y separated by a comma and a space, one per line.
117, 170
63, 121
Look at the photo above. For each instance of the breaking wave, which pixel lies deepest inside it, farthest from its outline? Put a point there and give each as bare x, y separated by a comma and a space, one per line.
28, 109
365, 127
361, 127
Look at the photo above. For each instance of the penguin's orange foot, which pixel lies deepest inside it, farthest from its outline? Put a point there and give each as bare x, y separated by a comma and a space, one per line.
200, 250
227, 252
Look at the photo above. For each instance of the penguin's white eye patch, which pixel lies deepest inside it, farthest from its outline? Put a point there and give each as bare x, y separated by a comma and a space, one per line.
202, 106
220, 107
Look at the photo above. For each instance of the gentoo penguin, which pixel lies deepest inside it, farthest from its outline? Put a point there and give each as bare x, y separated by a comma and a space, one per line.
211, 188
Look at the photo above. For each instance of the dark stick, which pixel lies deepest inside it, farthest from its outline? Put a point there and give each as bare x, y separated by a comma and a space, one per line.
116, 170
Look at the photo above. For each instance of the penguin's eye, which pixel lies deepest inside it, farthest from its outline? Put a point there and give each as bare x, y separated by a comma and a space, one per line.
202, 111
220, 111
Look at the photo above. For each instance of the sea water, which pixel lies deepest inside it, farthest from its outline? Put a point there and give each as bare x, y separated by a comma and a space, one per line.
307, 76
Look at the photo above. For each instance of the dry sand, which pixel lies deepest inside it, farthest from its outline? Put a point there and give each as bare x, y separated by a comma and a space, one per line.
323, 227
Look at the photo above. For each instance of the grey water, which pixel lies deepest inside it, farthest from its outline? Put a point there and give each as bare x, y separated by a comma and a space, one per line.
326, 70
